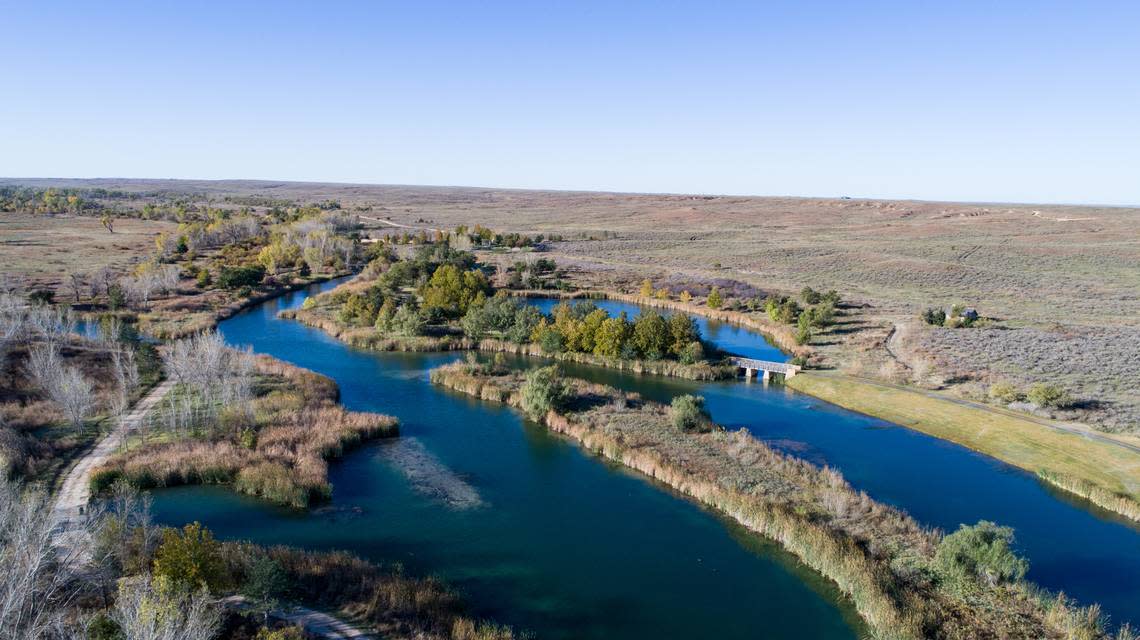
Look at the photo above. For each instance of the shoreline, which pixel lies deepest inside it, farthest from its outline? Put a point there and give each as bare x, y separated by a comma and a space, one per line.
1089, 469
781, 498
1083, 478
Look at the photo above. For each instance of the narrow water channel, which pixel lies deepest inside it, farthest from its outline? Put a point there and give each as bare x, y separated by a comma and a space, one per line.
557, 542
543, 537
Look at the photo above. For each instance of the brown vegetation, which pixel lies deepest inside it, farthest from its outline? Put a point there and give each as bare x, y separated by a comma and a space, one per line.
879, 556
281, 457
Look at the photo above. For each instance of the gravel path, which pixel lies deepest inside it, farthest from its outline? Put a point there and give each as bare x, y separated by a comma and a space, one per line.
71, 503
313, 622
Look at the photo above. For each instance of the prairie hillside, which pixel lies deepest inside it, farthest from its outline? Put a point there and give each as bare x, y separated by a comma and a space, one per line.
1058, 286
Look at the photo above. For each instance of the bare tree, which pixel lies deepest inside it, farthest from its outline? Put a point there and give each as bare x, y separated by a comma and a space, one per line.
101, 281
67, 387
11, 325
44, 365
74, 394
76, 285
146, 610
37, 583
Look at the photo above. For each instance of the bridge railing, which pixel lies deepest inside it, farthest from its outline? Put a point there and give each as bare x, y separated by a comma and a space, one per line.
767, 365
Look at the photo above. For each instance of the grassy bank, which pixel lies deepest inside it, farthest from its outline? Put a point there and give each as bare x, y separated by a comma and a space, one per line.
878, 556
1106, 474
297, 427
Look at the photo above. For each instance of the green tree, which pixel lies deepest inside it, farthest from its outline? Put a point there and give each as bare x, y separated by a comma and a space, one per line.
810, 296
651, 335
265, 583
682, 332
686, 297
1048, 395
647, 288
452, 290
588, 330
548, 337
612, 336
688, 413
543, 391
693, 353
715, 299
191, 558
408, 321
978, 554
803, 328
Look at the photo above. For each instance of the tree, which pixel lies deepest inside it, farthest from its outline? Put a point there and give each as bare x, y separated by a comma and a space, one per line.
981, 553
612, 335
452, 290
686, 297
408, 321
588, 330
1048, 395
40, 578
548, 337
688, 413
647, 288
265, 582
543, 391
1005, 392
153, 609
810, 296
715, 300
934, 316
238, 277
683, 331
651, 335
803, 329
693, 353
191, 559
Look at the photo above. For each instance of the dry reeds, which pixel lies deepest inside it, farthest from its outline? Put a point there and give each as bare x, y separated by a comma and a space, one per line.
298, 428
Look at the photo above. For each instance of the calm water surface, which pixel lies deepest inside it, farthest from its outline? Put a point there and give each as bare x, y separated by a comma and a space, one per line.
570, 546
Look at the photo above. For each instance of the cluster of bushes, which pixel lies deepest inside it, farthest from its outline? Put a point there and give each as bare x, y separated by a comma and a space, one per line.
446, 279
534, 275
959, 315
501, 316
482, 236
584, 328
1041, 394
818, 315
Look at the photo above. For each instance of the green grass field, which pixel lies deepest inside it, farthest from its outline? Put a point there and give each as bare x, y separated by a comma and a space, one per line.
1017, 441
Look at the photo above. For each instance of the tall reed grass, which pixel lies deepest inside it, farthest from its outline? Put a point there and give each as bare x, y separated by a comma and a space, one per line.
1115, 502
298, 427
878, 556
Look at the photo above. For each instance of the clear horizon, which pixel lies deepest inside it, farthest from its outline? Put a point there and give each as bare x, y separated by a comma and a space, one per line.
1031, 103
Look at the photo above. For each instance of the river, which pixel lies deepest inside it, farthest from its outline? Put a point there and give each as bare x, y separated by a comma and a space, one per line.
542, 536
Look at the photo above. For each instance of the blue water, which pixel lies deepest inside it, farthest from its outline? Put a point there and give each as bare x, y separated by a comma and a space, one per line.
564, 543
728, 337
573, 547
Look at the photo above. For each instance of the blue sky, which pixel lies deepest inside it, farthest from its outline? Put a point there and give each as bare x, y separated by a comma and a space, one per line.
1007, 101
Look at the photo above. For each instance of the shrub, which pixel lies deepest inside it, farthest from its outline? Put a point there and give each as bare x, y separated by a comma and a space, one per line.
715, 299
935, 317
1005, 392
549, 338
692, 353
204, 278
976, 554
803, 329
810, 296
543, 391
688, 413
1048, 395
238, 277
191, 558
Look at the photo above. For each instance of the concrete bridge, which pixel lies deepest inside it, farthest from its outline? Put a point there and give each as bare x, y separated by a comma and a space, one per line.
764, 368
